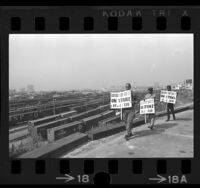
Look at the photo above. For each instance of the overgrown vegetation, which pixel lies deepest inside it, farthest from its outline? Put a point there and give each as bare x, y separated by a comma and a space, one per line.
21, 147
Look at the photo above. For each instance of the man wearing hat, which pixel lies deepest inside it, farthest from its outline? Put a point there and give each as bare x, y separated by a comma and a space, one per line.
170, 107
150, 117
129, 113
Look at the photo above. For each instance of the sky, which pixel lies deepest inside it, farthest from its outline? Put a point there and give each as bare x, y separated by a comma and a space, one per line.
96, 61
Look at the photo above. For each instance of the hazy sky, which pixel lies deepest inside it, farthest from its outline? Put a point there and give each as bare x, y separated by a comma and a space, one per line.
78, 61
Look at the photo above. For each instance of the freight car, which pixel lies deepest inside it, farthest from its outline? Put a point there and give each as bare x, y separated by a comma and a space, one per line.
47, 110
24, 117
49, 104
78, 116
48, 119
62, 131
83, 125
88, 106
108, 114
42, 128
88, 113
91, 122
14, 120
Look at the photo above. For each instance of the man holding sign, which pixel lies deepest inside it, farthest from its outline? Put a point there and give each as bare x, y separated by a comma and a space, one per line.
169, 97
125, 101
149, 108
129, 113
170, 105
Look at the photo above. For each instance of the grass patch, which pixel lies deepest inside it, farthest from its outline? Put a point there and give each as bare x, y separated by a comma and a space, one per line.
26, 145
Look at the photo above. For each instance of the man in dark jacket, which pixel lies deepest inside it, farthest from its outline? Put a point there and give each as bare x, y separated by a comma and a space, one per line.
129, 113
170, 107
151, 117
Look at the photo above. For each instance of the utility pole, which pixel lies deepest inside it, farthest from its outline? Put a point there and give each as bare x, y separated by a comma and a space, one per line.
103, 98
54, 106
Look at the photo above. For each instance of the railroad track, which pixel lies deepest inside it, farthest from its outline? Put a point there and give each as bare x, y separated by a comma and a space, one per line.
40, 113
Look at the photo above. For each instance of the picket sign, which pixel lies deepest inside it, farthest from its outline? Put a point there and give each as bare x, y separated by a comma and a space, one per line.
168, 96
147, 106
120, 100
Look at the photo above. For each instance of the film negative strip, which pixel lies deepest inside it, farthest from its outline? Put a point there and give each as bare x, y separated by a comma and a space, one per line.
59, 66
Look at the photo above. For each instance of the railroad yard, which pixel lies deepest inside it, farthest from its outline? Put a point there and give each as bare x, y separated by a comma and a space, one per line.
53, 128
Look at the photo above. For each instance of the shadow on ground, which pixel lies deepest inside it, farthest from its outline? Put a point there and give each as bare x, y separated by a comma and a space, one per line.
184, 119
159, 128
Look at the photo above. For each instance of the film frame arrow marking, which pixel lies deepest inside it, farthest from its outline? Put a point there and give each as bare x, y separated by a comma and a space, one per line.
67, 178
159, 178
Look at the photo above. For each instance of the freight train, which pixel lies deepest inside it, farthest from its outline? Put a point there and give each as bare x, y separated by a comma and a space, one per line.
85, 117
84, 125
21, 118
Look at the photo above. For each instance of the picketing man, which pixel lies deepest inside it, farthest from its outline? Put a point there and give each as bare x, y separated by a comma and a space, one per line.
170, 107
151, 117
128, 114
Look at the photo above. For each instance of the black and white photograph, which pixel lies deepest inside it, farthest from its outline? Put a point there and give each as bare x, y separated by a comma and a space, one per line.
101, 95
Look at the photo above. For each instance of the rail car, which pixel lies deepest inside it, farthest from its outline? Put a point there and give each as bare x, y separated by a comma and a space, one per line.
83, 125
40, 121
32, 108
108, 114
88, 113
78, 116
60, 100
86, 107
74, 102
62, 131
68, 114
68, 126
24, 117
51, 118
104, 107
42, 129
73, 116
16, 103
91, 122
115, 118
21, 118
45, 111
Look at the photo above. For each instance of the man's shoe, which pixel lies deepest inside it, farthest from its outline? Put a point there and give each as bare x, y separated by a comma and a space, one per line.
131, 134
151, 127
167, 120
127, 136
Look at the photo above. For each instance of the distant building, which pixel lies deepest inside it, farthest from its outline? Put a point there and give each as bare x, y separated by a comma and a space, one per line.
180, 85
30, 88
31, 97
177, 86
22, 90
188, 84
12, 92
56, 95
